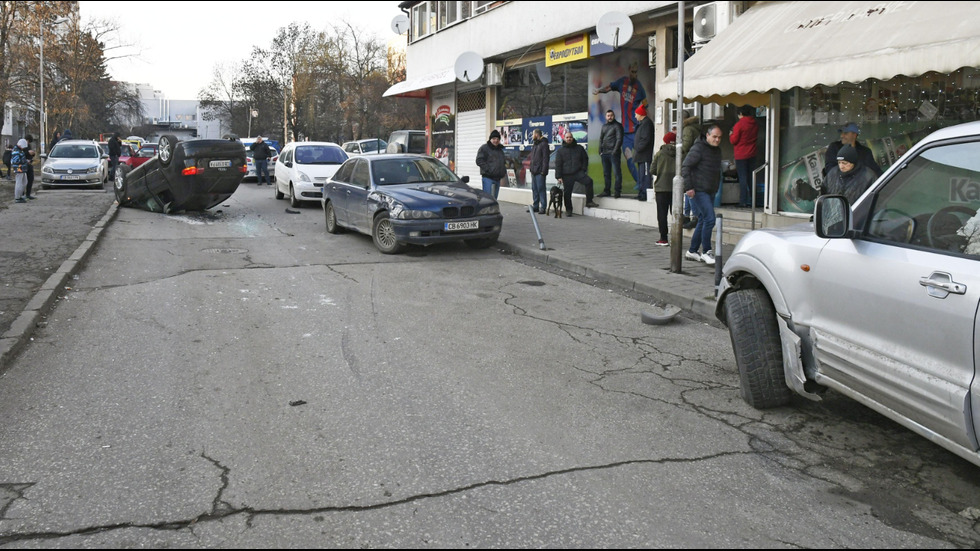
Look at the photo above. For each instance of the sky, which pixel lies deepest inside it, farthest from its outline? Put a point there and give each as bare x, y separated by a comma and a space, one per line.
175, 46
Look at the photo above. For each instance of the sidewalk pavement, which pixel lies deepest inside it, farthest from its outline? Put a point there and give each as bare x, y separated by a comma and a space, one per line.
616, 253
45, 243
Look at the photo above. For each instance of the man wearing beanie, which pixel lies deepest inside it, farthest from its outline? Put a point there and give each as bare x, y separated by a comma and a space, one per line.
664, 168
850, 178
490, 159
643, 152
571, 164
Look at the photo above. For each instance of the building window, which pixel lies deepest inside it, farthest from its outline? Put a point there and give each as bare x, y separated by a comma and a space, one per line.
523, 94
449, 13
420, 20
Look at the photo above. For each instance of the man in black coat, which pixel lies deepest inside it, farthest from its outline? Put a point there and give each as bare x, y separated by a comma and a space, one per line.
848, 136
850, 177
540, 157
115, 150
493, 165
702, 176
571, 166
261, 152
643, 150
610, 150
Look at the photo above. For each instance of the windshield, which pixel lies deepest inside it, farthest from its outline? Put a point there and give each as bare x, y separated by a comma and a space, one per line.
373, 145
75, 151
320, 155
390, 172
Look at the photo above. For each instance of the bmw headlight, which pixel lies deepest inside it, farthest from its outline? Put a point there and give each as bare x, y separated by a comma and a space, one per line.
409, 214
489, 209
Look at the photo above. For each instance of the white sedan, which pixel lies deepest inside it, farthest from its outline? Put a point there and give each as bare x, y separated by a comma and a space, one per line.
303, 167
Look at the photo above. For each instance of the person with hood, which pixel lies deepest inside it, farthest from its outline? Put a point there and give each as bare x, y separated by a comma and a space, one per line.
690, 134
664, 168
540, 155
610, 151
848, 136
67, 135
115, 150
743, 138
850, 178
19, 164
702, 176
490, 159
643, 151
571, 164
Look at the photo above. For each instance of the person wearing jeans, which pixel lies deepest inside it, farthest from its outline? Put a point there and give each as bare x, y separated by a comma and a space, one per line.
702, 178
610, 150
490, 159
540, 157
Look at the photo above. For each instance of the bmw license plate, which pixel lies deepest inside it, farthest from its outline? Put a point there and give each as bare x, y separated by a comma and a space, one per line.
458, 226
71, 177
220, 164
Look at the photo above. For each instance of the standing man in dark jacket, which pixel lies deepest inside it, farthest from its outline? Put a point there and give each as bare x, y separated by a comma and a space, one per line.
848, 136
610, 149
702, 176
490, 159
260, 155
29, 157
115, 150
540, 155
571, 164
643, 150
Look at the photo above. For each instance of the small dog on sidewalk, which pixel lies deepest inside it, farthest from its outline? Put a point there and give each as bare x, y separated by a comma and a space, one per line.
555, 202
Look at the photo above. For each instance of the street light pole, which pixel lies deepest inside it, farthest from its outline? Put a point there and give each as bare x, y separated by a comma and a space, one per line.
43, 128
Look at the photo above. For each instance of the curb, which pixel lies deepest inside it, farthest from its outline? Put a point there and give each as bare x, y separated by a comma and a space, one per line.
701, 308
21, 330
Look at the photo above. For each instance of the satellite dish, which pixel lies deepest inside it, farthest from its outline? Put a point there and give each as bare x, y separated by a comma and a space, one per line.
469, 66
399, 24
544, 72
614, 28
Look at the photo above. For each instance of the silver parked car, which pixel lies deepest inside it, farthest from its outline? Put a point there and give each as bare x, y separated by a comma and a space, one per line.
878, 302
75, 163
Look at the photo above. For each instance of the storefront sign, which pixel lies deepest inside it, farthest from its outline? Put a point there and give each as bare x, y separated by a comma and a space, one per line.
567, 50
597, 47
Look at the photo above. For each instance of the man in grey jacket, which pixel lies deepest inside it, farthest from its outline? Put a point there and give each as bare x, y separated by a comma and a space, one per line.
702, 176
610, 149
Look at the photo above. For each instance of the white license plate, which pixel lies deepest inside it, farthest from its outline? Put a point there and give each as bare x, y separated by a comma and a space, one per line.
457, 226
220, 164
71, 177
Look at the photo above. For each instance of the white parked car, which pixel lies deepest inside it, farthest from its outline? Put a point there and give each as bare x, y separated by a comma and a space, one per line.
371, 146
303, 167
75, 163
878, 302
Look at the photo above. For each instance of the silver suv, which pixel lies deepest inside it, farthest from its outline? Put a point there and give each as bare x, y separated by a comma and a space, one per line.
877, 302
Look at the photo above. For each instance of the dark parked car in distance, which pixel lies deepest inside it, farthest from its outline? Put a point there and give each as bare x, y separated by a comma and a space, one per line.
192, 175
408, 199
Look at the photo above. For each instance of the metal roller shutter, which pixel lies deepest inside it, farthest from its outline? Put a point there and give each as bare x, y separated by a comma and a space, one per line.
471, 133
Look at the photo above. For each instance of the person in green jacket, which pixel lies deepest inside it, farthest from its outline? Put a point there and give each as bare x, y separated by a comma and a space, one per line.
664, 169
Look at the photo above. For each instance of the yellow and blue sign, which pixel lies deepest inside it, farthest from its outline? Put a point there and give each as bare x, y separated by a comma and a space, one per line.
567, 50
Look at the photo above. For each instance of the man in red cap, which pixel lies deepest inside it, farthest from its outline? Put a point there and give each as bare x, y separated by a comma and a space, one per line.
643, 152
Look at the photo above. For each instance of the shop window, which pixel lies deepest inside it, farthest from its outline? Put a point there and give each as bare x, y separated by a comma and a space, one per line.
892, 116
523, 95
672, 45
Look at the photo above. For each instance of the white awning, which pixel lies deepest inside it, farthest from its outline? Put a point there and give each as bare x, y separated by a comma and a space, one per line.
416, 87
780, 45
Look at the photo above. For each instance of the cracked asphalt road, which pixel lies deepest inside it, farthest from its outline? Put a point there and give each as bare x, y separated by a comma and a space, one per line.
241, 379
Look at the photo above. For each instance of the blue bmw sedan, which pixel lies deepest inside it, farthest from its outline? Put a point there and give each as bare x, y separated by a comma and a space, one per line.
403, 199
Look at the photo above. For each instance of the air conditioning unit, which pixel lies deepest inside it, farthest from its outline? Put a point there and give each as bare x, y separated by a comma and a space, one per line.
494, 74
710, 19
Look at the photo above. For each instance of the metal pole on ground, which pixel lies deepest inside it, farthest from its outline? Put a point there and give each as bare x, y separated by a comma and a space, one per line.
719, 251
537, 230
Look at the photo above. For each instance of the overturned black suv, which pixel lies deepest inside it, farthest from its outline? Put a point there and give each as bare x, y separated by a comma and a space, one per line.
191, 175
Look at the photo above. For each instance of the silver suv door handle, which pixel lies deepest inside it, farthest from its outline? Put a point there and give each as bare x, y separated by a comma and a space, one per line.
943, 281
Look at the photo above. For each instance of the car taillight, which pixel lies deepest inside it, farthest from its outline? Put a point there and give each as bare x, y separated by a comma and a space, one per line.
244, 169
276, 158
190, 171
